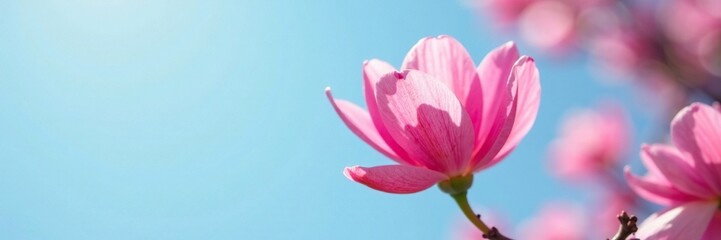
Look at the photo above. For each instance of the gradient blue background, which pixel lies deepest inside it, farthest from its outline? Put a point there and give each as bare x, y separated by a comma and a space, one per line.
207, 120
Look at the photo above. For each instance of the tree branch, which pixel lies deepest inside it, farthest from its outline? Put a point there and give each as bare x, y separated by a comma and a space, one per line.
627, 227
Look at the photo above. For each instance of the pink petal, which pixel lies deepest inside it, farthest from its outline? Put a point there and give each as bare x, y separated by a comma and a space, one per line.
485, 154
687, 221
395, 178
529, 98
696, 129
447, 60
653, 174
676, 168
426, 119
359, 122
494, 71
713, 230
373, 70
655, 191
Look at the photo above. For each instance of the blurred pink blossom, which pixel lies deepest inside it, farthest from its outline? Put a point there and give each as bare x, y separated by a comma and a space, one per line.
607, 207
679, 39
684, 177
549, 25
688, 21
694, 27
662, 91
621, 50
553, 25
590, 143
505, 11
555, 221
441, 117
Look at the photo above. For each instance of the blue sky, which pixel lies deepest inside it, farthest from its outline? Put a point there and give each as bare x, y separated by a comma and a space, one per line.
207, 120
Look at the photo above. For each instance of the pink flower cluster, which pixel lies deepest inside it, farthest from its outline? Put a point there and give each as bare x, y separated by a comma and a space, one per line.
555, 25
694, 29
671, 47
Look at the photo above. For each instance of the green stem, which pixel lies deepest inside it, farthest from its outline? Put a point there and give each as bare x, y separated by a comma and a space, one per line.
462, 201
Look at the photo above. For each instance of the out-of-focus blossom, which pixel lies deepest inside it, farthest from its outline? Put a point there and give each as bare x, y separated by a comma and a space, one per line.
548, 25
553, 25
694, 27
680, 39
590, 143
709, 54
662, 92
441, 117
555, 221
505, 12
689, 21
685, 177
621, 50
607, 207
629, 54
464, 230
591, 146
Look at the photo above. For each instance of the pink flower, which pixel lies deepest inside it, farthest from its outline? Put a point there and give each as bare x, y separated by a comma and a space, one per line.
555, 221
441, 117
685, 177
590, 143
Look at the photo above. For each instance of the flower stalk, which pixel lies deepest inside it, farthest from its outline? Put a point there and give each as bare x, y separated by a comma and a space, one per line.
462, 202
458, 187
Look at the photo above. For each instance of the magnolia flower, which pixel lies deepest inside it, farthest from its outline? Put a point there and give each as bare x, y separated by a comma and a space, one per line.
591, 142
685, 177
441, 118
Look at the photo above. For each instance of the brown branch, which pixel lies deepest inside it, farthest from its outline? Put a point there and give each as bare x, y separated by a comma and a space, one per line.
627, 227
493, 233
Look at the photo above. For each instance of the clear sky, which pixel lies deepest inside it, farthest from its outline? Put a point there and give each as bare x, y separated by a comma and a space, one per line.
131, 119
